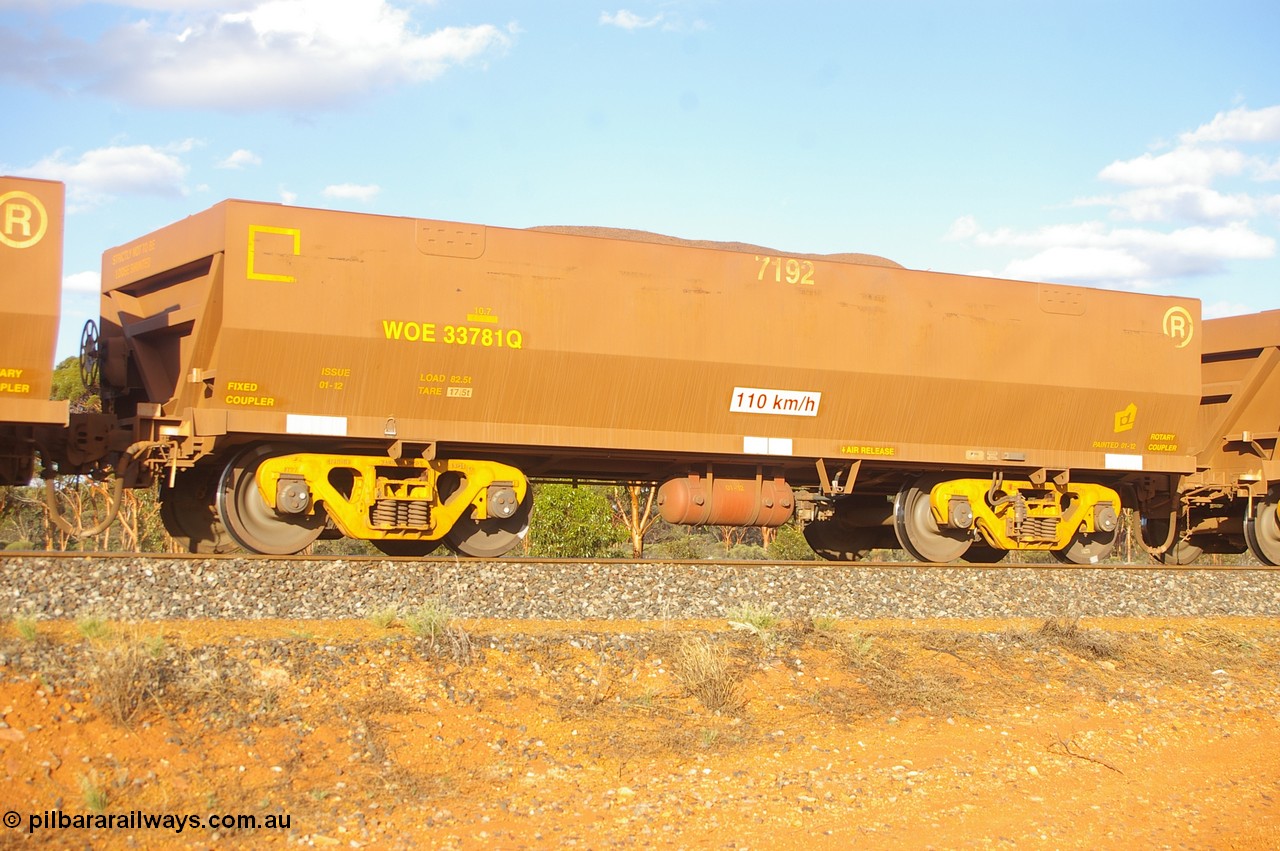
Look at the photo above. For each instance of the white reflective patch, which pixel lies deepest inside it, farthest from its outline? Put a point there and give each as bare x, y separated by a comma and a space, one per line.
766, 445
1124, 462
310, 424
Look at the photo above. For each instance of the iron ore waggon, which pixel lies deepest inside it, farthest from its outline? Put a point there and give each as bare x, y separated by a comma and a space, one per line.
1232, 499
31, 229
289, 373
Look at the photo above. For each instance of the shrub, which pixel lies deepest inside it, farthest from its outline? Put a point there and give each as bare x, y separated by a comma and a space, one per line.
430, 620
572, 522
789, 545
688, 547
748, 552
760, 618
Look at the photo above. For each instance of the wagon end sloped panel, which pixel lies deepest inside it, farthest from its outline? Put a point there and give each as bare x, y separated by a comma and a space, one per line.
1240, 408
161, 310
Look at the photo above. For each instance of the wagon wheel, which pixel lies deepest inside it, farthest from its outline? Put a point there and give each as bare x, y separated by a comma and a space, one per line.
918, 533
188, 513
90, 355
252, 523
404, 549
1155, 531
493, 537
1262, 529
1088, 547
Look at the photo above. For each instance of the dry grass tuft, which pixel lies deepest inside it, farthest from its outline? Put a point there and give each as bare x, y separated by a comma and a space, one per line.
92, 794
929, 692
126, 675
433, 623
385, 618
707, 673
26, 627
430, 620
1088, 643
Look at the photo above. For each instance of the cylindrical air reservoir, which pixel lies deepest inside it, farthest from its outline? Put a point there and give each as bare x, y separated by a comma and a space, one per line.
698, 501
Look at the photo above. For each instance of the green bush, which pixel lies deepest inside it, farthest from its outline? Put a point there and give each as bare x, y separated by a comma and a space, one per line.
572, 522
687, 547
789, 545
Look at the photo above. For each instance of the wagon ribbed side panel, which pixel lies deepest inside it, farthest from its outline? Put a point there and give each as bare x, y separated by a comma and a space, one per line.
576, 351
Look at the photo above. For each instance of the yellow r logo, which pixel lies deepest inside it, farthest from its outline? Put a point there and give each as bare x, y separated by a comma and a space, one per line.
1178, 325
23, 220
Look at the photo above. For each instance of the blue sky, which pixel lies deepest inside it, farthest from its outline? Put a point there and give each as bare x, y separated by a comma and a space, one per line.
1127, 145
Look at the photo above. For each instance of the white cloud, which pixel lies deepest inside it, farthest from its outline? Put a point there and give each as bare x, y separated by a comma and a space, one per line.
1193, 207
1185, 164
239, 159
1079, 263
626, 20
102, 173
1217, 309
1267, 170
1239, 125
352, 192
83, 282
965, 227
1135, 258
287, 197
1172, 203
273, 54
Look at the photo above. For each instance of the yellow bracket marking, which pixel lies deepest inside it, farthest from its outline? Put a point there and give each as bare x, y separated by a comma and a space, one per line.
254, 230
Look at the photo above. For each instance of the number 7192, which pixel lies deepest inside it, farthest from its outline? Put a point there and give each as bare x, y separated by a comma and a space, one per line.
790, 269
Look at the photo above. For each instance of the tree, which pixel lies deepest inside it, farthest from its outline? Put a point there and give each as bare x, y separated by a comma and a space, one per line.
67, 384
572, 522
626, 511
790, 545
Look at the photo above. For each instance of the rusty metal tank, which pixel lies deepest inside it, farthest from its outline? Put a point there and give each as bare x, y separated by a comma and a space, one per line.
31, 214
566, 354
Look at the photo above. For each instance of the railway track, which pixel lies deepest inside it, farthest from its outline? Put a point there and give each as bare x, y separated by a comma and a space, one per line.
149, 587
63, 555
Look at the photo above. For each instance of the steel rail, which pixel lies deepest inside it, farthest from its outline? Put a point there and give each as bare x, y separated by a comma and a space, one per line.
737, 563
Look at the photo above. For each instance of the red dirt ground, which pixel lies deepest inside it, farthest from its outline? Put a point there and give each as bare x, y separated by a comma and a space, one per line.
1118, 734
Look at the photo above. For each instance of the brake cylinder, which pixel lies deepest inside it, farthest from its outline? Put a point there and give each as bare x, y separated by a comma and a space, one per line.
699, 501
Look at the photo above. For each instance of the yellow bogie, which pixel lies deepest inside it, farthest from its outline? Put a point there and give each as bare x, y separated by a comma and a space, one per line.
1022, 515
380, 499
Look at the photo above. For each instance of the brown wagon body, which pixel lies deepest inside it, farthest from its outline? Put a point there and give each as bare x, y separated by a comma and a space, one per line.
570, 355
31, 214
1231, 502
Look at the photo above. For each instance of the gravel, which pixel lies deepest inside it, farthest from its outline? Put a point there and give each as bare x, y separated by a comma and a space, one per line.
143, 588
